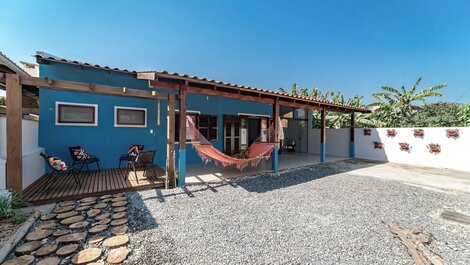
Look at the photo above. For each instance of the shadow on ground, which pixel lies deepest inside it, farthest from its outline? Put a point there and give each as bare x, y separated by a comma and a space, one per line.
269, 181
140, 217
290, 177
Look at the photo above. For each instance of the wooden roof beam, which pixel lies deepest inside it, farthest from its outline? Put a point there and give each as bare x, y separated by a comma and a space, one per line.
266, 94
87, 87
211, 92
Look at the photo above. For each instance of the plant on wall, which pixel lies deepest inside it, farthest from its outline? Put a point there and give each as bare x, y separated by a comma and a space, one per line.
367, 132
404, 146
453, 133
378, 145
434, 148
391, 132
418, 133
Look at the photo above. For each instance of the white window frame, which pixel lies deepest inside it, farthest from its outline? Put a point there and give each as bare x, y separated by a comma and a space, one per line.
57, 103
129, 125
253, 115
177, 112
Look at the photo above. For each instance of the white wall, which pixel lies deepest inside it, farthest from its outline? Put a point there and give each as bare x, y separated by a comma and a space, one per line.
453, 155
297, 131
33, 164
3, 184
337, 142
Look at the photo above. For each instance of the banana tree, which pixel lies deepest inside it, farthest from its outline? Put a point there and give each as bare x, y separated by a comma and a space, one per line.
464, 115
394, 106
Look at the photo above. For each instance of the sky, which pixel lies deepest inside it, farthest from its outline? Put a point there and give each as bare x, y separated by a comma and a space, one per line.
350, 46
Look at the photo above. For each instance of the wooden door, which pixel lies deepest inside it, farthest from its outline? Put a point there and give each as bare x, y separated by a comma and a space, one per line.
233, 142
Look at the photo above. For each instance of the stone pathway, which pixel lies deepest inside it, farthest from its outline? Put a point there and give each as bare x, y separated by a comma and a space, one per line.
92, 230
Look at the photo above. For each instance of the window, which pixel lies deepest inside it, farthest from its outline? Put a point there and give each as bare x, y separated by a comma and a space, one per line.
130, 117
76, 114
194, 116
206, 124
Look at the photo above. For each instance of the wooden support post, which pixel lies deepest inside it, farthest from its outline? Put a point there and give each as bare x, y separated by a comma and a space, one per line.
170, 147
352, 145
14, 133
323, 136
182, 138
275, 161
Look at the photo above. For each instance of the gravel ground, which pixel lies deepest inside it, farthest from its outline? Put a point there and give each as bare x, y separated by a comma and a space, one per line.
314, 215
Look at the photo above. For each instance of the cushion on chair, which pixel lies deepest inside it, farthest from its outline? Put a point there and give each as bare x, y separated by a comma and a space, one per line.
80, 154
57, 163
133, 151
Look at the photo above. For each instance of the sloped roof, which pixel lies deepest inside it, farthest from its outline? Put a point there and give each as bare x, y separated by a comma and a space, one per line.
203, 80
9, 64
42, 56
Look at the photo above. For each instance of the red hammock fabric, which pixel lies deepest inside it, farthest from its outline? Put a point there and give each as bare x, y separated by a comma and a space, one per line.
257, 151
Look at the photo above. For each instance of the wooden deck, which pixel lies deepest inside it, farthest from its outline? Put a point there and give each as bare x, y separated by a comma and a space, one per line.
93, 183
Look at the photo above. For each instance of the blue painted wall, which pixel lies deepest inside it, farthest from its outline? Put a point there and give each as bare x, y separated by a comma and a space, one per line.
107, 141
220, 106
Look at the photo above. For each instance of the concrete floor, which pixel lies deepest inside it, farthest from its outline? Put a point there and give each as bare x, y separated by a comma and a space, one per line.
199, 174
427, 177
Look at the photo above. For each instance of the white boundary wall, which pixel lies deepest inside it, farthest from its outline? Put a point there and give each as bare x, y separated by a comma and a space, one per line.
337, 142
33, 164
454, 152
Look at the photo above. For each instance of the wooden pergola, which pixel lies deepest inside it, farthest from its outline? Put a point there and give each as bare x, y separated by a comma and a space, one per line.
181, 84
14, 84
192, 84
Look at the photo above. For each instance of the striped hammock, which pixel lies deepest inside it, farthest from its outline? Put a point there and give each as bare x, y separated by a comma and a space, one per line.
208, 153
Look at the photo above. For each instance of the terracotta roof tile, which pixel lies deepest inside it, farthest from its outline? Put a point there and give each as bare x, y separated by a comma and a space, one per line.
48, 57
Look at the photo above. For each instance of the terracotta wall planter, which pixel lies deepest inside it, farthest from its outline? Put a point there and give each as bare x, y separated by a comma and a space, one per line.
453, 133
378, 145
434, 148
391, 132
404, 146
418, 133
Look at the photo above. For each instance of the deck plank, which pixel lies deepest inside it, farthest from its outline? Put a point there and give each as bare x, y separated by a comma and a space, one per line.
93, 183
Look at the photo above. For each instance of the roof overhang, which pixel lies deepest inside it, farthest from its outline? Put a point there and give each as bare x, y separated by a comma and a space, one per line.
174, 81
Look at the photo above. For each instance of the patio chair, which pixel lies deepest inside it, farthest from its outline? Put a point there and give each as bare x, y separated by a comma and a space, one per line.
131, 155
144, 161
81, 157
290, 146
58, 168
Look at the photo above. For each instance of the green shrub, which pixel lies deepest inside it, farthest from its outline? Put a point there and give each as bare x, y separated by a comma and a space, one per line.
464, 115
17, 201
6, 209
19, 217
10, 200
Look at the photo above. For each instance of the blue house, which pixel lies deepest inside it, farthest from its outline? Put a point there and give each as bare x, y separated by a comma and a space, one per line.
230, 116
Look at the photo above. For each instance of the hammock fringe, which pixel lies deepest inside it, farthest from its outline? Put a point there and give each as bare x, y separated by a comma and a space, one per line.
208, 153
